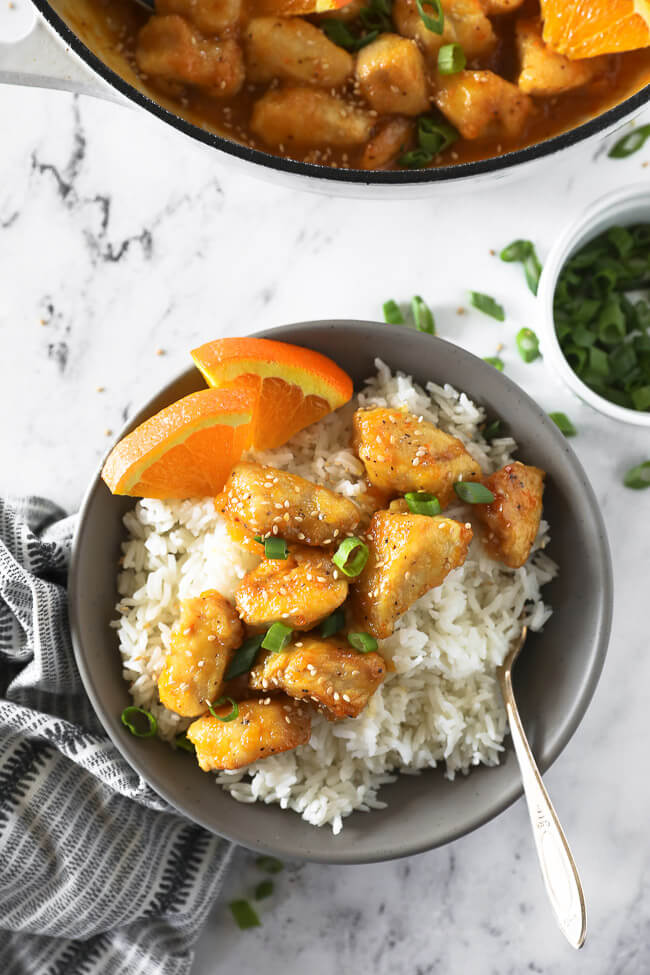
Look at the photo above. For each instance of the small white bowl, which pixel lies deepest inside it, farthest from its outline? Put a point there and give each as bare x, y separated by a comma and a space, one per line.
625, 206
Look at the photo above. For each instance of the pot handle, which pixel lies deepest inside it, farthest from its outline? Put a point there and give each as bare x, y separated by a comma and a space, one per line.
32, 55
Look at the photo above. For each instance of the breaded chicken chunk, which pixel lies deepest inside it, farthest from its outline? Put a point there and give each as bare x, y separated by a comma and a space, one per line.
269, 501
409, 554
170, 48
328, 672
465, 23
262, 728
512, 519
483, 105
300, 590
402, 453
391, 76
543, 71
202, 643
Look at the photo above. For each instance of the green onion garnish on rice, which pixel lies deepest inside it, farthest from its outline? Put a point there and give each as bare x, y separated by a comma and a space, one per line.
232, 714
422, 503
351, 556
141, 723
362, 642
473, 492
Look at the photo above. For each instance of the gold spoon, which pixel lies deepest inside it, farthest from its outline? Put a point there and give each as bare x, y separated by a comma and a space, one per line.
558, 867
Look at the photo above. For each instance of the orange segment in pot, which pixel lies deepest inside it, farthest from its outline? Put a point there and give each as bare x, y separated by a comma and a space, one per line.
293, 8
588, 28
292, 387
186, 450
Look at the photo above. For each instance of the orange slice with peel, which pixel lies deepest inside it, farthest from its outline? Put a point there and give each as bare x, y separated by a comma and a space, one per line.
185, 451
293, 387
588, 28
293, 8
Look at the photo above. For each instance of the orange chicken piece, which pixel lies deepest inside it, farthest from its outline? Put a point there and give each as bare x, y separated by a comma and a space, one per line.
202, 641
328, 672
259, 731
512, 519
300, 590
409, 555
401, 454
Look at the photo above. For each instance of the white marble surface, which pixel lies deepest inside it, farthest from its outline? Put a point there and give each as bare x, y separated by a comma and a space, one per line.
119, 239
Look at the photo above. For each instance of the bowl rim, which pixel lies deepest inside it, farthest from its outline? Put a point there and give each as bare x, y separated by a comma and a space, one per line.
126, 746
575, 235
313, 171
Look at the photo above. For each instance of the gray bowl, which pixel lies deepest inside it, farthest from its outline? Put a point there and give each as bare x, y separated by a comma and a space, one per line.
554, 679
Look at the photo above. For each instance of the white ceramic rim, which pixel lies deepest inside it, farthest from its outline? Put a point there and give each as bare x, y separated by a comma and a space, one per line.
613, 208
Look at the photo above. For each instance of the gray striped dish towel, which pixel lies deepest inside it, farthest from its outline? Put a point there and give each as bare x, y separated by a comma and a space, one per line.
98, 876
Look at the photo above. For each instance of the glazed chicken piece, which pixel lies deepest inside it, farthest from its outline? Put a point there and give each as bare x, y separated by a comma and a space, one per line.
402, 454
202, 643
210, 16
300, 591
330, 673
391, 75
308, 117
543, 72
292, 48
409, 554
391, 141
261, 729
482, 104
465, 23
495, 7
168, 47
512, 519
269, 501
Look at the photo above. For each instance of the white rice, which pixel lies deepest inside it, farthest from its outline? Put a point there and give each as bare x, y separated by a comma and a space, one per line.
442, 703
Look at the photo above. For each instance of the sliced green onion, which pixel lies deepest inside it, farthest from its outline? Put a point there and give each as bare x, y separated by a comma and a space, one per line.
362, 642
244, 658
392, 313
184, 743
423, 503
492, 430
638, 477
244, 914
630, 143
232, 714
258, 538
422, 316
269, 864
332, 624
524, 252
277, 637
487, 305
473, 492
276, 548
351, 556
435, 135
451, 59
564, 424
436, 23
494, 360
146, 726
263, 889
528, 344
415, 159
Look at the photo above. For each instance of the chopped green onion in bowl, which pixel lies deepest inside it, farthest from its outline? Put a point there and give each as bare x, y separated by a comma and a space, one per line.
422, 503
140, 722
362, 642
487, 305
351, 557
473, 492
277, 637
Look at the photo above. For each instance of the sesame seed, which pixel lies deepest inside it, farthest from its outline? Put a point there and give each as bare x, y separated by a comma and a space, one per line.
211, 638
346, 697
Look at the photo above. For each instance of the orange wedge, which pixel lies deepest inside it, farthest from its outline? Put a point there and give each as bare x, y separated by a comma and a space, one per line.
185, 451
587, 28
293, 8
292, 386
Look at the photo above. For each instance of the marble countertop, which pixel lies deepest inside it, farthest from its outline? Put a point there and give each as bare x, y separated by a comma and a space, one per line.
122, 246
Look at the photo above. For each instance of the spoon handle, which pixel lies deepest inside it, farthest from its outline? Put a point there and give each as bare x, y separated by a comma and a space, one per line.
558, 867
